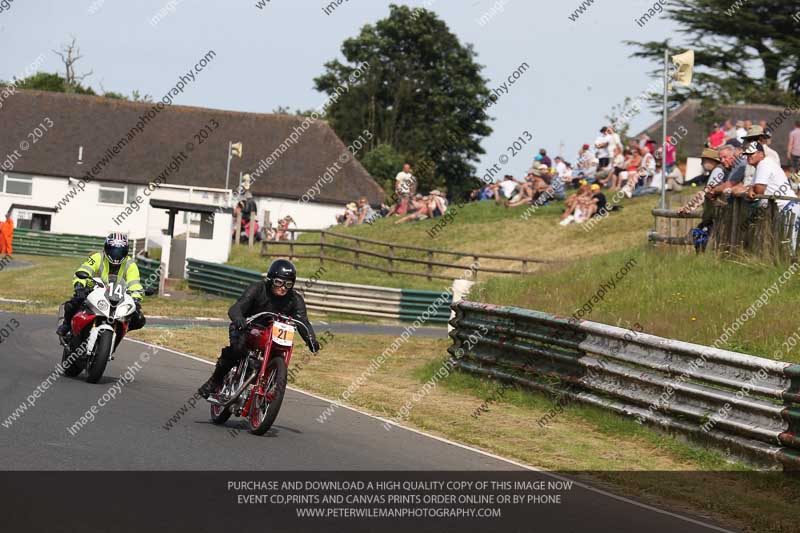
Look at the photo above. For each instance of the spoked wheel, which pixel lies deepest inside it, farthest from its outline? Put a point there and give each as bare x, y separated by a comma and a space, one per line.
264, 409
220, 414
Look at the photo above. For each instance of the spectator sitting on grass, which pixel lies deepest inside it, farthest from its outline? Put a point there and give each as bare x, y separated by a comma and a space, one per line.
505, 190
575, 201
484, 193
545, 160
418, 208
598, 204
350, 215
580, 209
436, 203
365, 212
614, 180
555, 189
528, 190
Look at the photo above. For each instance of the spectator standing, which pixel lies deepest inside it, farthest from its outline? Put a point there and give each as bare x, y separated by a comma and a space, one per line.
771, 180
740, 130
669, 160
7, 236
405, 182
643, 140
717, 137
762, 136
730, 130
616, 141
793, 152
601, 145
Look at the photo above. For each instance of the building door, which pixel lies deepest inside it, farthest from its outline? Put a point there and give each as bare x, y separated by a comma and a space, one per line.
40, 222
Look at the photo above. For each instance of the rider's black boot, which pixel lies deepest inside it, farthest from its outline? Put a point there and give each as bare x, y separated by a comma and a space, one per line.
220, 371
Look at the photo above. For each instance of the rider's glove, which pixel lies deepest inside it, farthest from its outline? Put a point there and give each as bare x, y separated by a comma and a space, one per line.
80, 290
138, 305
314, 346
240, 323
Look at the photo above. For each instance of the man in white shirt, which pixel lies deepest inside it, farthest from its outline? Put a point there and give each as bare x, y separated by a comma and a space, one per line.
616, 142
601, 145
404, 182
759, 135
740, 131
770, 180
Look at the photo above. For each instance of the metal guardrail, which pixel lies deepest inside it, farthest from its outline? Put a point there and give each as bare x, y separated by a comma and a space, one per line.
33, 242
744, 404
149, 273
320, 295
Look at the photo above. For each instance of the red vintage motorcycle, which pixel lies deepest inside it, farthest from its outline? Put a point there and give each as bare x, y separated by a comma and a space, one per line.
254, 389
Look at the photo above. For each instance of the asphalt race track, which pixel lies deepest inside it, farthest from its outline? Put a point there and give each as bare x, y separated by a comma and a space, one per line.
128, 432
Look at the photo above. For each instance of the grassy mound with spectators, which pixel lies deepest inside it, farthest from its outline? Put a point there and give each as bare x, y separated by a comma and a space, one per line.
480, 227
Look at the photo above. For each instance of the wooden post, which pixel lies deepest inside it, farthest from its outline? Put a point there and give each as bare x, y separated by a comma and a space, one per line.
430, 266
266, 224
252, 230
358, 257
524, 267
391, 261
477, 267
238, 231
321, 248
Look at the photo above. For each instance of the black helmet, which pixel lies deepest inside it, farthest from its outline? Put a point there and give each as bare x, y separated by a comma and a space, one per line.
116, 248
281, 269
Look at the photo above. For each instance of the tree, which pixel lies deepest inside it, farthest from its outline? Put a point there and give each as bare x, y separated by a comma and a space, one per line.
382, 163
729, 38
45, 81
70, 54
410, 82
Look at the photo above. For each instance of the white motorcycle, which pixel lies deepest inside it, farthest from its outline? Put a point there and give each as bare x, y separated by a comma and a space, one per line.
97, 330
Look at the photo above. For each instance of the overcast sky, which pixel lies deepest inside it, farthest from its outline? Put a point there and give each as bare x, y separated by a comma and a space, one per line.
269, 57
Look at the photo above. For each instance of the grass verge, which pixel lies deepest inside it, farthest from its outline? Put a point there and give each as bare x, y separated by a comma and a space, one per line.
675, 295
581, 439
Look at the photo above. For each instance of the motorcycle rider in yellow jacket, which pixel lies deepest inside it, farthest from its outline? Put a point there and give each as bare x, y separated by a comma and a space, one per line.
111, 263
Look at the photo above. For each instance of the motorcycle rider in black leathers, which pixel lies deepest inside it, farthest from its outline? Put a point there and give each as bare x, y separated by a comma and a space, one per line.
277, 295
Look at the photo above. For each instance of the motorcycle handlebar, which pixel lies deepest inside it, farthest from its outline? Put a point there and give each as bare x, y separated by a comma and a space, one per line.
276, 315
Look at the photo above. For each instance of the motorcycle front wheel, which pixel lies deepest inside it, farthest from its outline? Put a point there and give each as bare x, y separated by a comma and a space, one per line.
265, 409
102, 351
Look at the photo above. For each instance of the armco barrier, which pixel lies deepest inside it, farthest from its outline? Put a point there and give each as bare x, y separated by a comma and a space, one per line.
34, 242
149, 273
320, 295
744, 404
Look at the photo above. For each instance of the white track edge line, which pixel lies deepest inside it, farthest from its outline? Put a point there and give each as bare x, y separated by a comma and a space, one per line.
472, 449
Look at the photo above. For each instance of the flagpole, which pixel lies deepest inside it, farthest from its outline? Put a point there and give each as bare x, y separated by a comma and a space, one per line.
228, 172
664, 133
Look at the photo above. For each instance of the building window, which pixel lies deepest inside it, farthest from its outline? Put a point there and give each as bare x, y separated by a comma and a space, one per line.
17, 184
111, 195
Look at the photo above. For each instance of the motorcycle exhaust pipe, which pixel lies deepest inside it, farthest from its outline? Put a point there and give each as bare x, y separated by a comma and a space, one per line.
236, 395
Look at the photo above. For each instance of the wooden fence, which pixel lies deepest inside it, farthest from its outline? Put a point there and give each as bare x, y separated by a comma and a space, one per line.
390, 253
741, 226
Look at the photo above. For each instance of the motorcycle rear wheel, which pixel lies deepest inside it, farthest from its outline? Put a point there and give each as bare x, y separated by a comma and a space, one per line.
219, 414
262, 412
102, 351
71, 368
